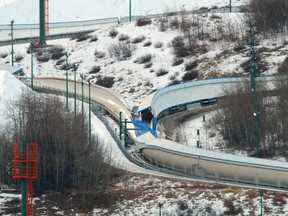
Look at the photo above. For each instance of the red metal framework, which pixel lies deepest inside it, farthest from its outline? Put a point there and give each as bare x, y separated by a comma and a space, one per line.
24, 166
24, 160
46, 17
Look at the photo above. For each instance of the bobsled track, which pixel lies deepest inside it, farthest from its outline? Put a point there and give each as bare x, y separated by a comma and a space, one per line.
171, 157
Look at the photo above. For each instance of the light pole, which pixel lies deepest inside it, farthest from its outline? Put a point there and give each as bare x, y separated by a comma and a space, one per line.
261, 202
230, 6
42, 22
160, 204
82, 84
12, 41
32, 51
75, 69
89, 82
253, 68
66, 67
130, 10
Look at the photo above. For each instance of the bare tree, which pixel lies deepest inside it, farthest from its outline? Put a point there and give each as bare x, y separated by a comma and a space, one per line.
66, 157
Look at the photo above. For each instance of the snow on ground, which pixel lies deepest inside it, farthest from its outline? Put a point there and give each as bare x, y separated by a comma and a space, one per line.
134, 82
10, 88
24, 12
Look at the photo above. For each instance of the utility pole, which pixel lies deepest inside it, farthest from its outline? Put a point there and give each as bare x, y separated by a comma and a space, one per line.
261, 202
12, 41
75, 69
66, 67
82, 84
130, 14
253, 70
41, 22
32, 67
89, 82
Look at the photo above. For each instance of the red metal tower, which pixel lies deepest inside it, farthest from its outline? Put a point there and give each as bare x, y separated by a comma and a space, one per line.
46, 17
24, 167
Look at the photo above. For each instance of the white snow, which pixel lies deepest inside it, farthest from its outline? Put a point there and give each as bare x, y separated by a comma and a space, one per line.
10, 88
143, 81
24, 12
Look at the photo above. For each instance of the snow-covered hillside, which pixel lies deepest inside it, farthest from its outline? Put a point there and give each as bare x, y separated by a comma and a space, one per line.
137, 194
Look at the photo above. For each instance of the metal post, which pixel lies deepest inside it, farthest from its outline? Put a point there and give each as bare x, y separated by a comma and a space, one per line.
24, 183
89, 82
160, 204
41, 22
82, 84
120, 125
130, 11
198, 141
230, 6
253, 68
66, 67
12, 41
125, 133
261, 202
32, 51
75, 69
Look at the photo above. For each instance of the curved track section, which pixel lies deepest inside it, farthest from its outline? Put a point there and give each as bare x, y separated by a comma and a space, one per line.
111, 101
203, 163
177, 157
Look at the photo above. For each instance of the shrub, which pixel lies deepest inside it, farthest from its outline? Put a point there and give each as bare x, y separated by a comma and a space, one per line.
147, 43
179, 47
63, 66
163, 27
177, 61
80, 37
123, 37
144, 59
83, 38
121, 50
143, 21
191, 75
43, 57
190, 65
174, 23
94, 38
148, 65
99, 54
283, 68
215, 16
174, 82
3, 54
161, 72
55, 49
172, 77
60, 62
57, 55
95, 69
138, 39
158, 44
178, 42
113, 33
105, 81
18, 58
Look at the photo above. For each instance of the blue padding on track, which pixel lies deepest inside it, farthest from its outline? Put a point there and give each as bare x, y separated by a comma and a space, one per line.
142, 128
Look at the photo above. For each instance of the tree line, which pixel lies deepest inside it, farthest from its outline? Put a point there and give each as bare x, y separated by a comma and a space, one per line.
66, 158
234, 118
